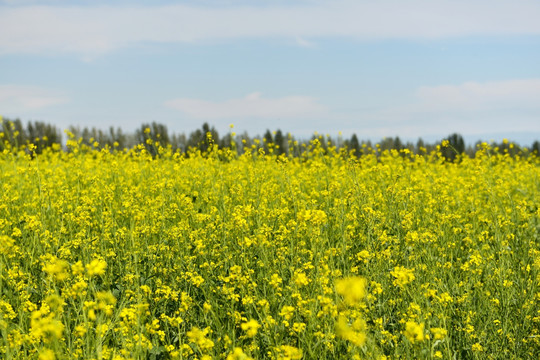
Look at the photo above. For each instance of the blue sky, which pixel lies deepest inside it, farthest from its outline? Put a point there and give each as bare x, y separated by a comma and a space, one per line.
375, 68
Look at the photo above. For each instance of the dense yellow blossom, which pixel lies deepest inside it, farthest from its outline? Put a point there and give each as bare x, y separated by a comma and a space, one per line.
46, 354
402, 276
355, 333
199, 337
414, 332
96, 267
45, 326
150, 253
353, 289
250, 327
438, 333
57, 268
238, 354
287, 352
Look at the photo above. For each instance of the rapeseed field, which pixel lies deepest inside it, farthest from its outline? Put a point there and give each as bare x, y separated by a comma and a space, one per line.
134, 254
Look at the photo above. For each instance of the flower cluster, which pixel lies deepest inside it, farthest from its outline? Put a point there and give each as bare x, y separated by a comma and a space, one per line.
156, 254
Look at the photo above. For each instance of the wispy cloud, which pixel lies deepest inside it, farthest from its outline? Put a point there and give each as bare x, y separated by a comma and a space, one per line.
20, 98
304, 43
474, 96
253, 106
99, 29
470, 108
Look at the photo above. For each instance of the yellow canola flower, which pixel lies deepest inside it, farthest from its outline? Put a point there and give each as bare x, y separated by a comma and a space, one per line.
402, 276
105, 298
354, 333
353, 289
276, 281
287, 352
80, 330
414, 332
198, 336
299, 327
300, 279
287, 312
6, 310
55, 302
477, 347
96, 267
44, 326
7, 244
57, 269
238, 354
250, 327
77, 268
188, 219
47, 354
438, 333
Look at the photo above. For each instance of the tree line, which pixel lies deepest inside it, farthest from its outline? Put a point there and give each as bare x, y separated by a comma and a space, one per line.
14, 134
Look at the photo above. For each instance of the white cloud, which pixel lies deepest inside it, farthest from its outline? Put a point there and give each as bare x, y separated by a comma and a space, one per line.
19, 98
304, 43
98, 29
252, 106
469, 108
512, 94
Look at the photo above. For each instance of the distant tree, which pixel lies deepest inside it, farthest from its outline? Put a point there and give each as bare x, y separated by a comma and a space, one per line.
328, 142
179, 142
195, 139
154, 132
386, 144
268, 139
279, 141
15, 134
117, 138
75, 130
354, 145
457, 146
42, 135
150, 135
243, 141
86, 135
470, 151
398, 145
161, 133
226, 141
366, 147
13, 131
535, 148
457, 142
420, 145
211, 136
202, 138
38, 133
